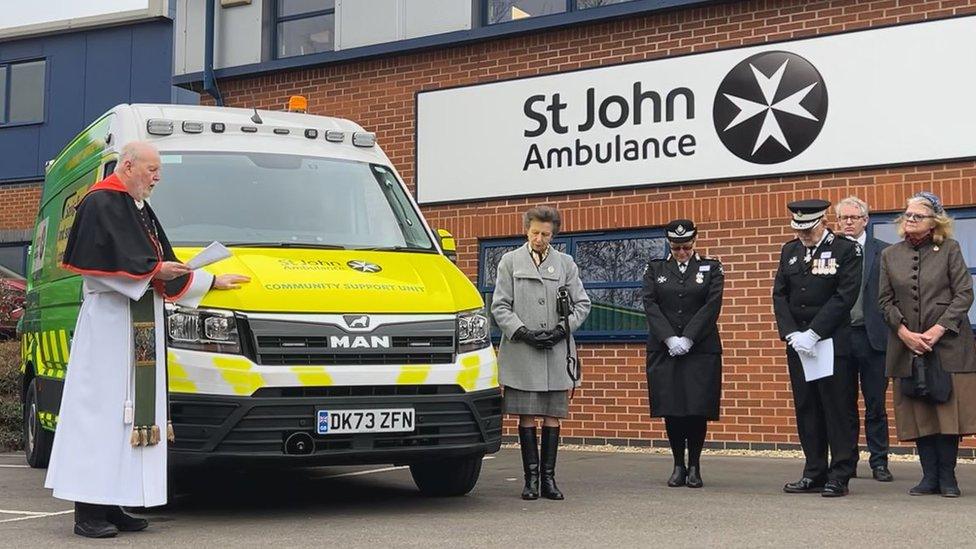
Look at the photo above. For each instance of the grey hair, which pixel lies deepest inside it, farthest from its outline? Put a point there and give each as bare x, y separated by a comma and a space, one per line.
132, 152
852, 201
542, 214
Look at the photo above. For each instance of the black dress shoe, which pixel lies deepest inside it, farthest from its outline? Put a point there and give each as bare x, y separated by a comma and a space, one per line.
951, 491
694, 477
124, 521
678, 477
96, 529
882, 474
834, 489
803, 486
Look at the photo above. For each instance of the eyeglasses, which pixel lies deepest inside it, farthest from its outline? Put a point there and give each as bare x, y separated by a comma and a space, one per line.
910, 216
851, 218
683, 247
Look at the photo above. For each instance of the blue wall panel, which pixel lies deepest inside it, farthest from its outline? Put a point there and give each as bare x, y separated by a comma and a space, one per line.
88, 73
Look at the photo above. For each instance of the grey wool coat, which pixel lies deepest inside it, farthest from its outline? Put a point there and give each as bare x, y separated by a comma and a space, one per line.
923, 287
525, 295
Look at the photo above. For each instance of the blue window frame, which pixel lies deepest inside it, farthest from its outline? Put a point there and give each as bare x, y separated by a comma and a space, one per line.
13, 258
22, 92
303, 27
882, 227
612, 268
502, 11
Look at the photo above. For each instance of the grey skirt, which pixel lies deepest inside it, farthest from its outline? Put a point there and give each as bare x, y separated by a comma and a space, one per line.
536, 403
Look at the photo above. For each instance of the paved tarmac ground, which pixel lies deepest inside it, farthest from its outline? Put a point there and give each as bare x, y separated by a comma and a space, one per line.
613, 500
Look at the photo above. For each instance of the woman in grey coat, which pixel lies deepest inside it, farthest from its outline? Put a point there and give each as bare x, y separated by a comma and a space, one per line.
925, 293
532, 357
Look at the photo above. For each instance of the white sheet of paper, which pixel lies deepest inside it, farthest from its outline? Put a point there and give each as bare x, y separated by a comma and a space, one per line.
822, 365
211, 254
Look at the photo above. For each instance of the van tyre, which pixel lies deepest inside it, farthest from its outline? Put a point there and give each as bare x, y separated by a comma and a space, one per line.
447, 477
37, 440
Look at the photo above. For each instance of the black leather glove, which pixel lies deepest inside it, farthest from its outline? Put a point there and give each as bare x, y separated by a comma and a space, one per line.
558, 334
541, 339
520, 334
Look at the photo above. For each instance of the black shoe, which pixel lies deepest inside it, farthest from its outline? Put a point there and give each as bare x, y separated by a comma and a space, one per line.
834, 489
550, 443
679, 477
530, 462
947, 447
928, 457
694, 477
124, 521
96, 529
882, 474
803, 486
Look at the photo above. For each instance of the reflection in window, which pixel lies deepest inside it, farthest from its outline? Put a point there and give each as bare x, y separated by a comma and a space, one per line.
612, 268
305, 27
13, 259
22, 92
500, 11
586, 4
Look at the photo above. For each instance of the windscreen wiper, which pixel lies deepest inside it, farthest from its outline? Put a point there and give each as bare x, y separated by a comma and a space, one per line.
284, 245
392, 249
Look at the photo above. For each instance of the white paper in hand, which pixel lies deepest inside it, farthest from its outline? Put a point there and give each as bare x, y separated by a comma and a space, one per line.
822, 365
211, 254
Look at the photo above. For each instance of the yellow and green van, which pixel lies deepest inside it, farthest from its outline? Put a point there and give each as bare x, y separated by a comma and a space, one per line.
357, 339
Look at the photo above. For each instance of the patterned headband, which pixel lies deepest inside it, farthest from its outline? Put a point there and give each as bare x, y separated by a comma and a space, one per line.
933, 198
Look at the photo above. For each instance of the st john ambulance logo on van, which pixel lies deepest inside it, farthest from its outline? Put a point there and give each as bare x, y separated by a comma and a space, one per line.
364, 266
770, 107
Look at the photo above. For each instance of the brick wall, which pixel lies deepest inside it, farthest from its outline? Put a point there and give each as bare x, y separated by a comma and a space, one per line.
18, 205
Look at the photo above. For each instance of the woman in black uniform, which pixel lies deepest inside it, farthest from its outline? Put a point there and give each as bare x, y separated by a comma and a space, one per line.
682, 299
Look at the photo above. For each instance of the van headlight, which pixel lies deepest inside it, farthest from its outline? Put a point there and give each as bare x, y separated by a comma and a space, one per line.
472, 331
202, 330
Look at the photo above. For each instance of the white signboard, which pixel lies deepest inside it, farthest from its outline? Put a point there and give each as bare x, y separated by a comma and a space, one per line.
17, 14
895, 95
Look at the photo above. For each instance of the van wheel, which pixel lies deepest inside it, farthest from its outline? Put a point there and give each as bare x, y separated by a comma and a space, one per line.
447, 477
37, 440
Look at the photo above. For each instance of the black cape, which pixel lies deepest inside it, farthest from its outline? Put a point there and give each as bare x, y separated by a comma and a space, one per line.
109, 237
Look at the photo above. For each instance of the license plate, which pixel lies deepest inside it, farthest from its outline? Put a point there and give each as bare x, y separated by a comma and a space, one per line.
399, 420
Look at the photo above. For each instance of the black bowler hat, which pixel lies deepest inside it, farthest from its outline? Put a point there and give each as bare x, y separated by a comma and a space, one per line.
806, 213
681, 230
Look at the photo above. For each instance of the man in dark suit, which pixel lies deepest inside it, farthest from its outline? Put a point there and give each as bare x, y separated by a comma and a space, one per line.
869, 337
816, 285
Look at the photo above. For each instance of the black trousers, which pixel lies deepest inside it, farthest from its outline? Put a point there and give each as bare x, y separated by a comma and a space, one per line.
826, 411
870, 367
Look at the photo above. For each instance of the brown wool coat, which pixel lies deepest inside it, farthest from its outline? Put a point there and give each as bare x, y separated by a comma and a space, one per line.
924, 287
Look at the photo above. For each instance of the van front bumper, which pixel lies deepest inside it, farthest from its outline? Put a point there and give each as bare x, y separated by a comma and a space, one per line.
449, 422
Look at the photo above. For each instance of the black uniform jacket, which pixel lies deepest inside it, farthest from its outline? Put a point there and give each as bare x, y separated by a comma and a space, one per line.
684, 305
822, 302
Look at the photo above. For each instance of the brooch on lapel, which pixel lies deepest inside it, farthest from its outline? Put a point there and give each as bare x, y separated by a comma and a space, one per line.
699, 278
793, 260
662, 279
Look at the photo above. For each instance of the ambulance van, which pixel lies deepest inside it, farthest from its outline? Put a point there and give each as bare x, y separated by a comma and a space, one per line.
357, 341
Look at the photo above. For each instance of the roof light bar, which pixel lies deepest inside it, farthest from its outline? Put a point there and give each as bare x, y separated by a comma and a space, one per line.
159, 126
311, 133
192, 127
364, 139
334, 136
249, 129
217, 127
282, 131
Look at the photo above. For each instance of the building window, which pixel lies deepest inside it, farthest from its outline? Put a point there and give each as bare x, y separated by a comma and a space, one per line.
882, 227
304, 26
22, 92
500, 11
13, 259
612, 268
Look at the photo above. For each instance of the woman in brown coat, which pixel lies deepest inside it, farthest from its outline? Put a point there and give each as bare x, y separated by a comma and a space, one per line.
925, 294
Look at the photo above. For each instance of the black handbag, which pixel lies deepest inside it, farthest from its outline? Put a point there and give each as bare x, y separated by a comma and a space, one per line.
928, 380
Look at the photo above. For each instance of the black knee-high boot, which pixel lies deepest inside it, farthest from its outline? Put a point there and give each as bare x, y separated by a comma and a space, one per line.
550, 443
928, 456
948, 448
696, 429
90, 521
675, 427
530, 462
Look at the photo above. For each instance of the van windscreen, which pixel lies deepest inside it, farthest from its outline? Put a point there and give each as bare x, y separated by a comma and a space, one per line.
284, 200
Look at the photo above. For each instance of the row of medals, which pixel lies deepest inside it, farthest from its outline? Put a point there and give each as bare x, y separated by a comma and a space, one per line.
823, 266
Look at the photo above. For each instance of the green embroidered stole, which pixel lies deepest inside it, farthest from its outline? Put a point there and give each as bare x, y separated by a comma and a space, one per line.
145, 432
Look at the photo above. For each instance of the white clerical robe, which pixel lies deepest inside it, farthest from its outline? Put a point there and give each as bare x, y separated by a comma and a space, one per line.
92, 460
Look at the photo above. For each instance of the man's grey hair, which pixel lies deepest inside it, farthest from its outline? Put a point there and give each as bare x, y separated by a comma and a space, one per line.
132, 152
852, 201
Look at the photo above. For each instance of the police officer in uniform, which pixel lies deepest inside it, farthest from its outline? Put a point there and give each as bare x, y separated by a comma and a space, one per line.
682, 299
816, 284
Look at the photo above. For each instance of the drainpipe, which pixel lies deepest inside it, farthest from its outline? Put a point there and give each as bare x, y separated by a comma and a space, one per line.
209, 80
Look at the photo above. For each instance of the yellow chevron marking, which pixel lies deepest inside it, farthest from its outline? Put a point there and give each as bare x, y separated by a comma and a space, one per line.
63, 334
235, 371
468, 376
179, 381
53, 345
44, 351
413, 375
312, 376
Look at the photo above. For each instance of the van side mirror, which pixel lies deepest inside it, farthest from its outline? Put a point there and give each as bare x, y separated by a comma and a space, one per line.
448, 244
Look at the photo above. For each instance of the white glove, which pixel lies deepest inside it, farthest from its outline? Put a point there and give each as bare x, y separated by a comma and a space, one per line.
804, 343
686, 342
674, 346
